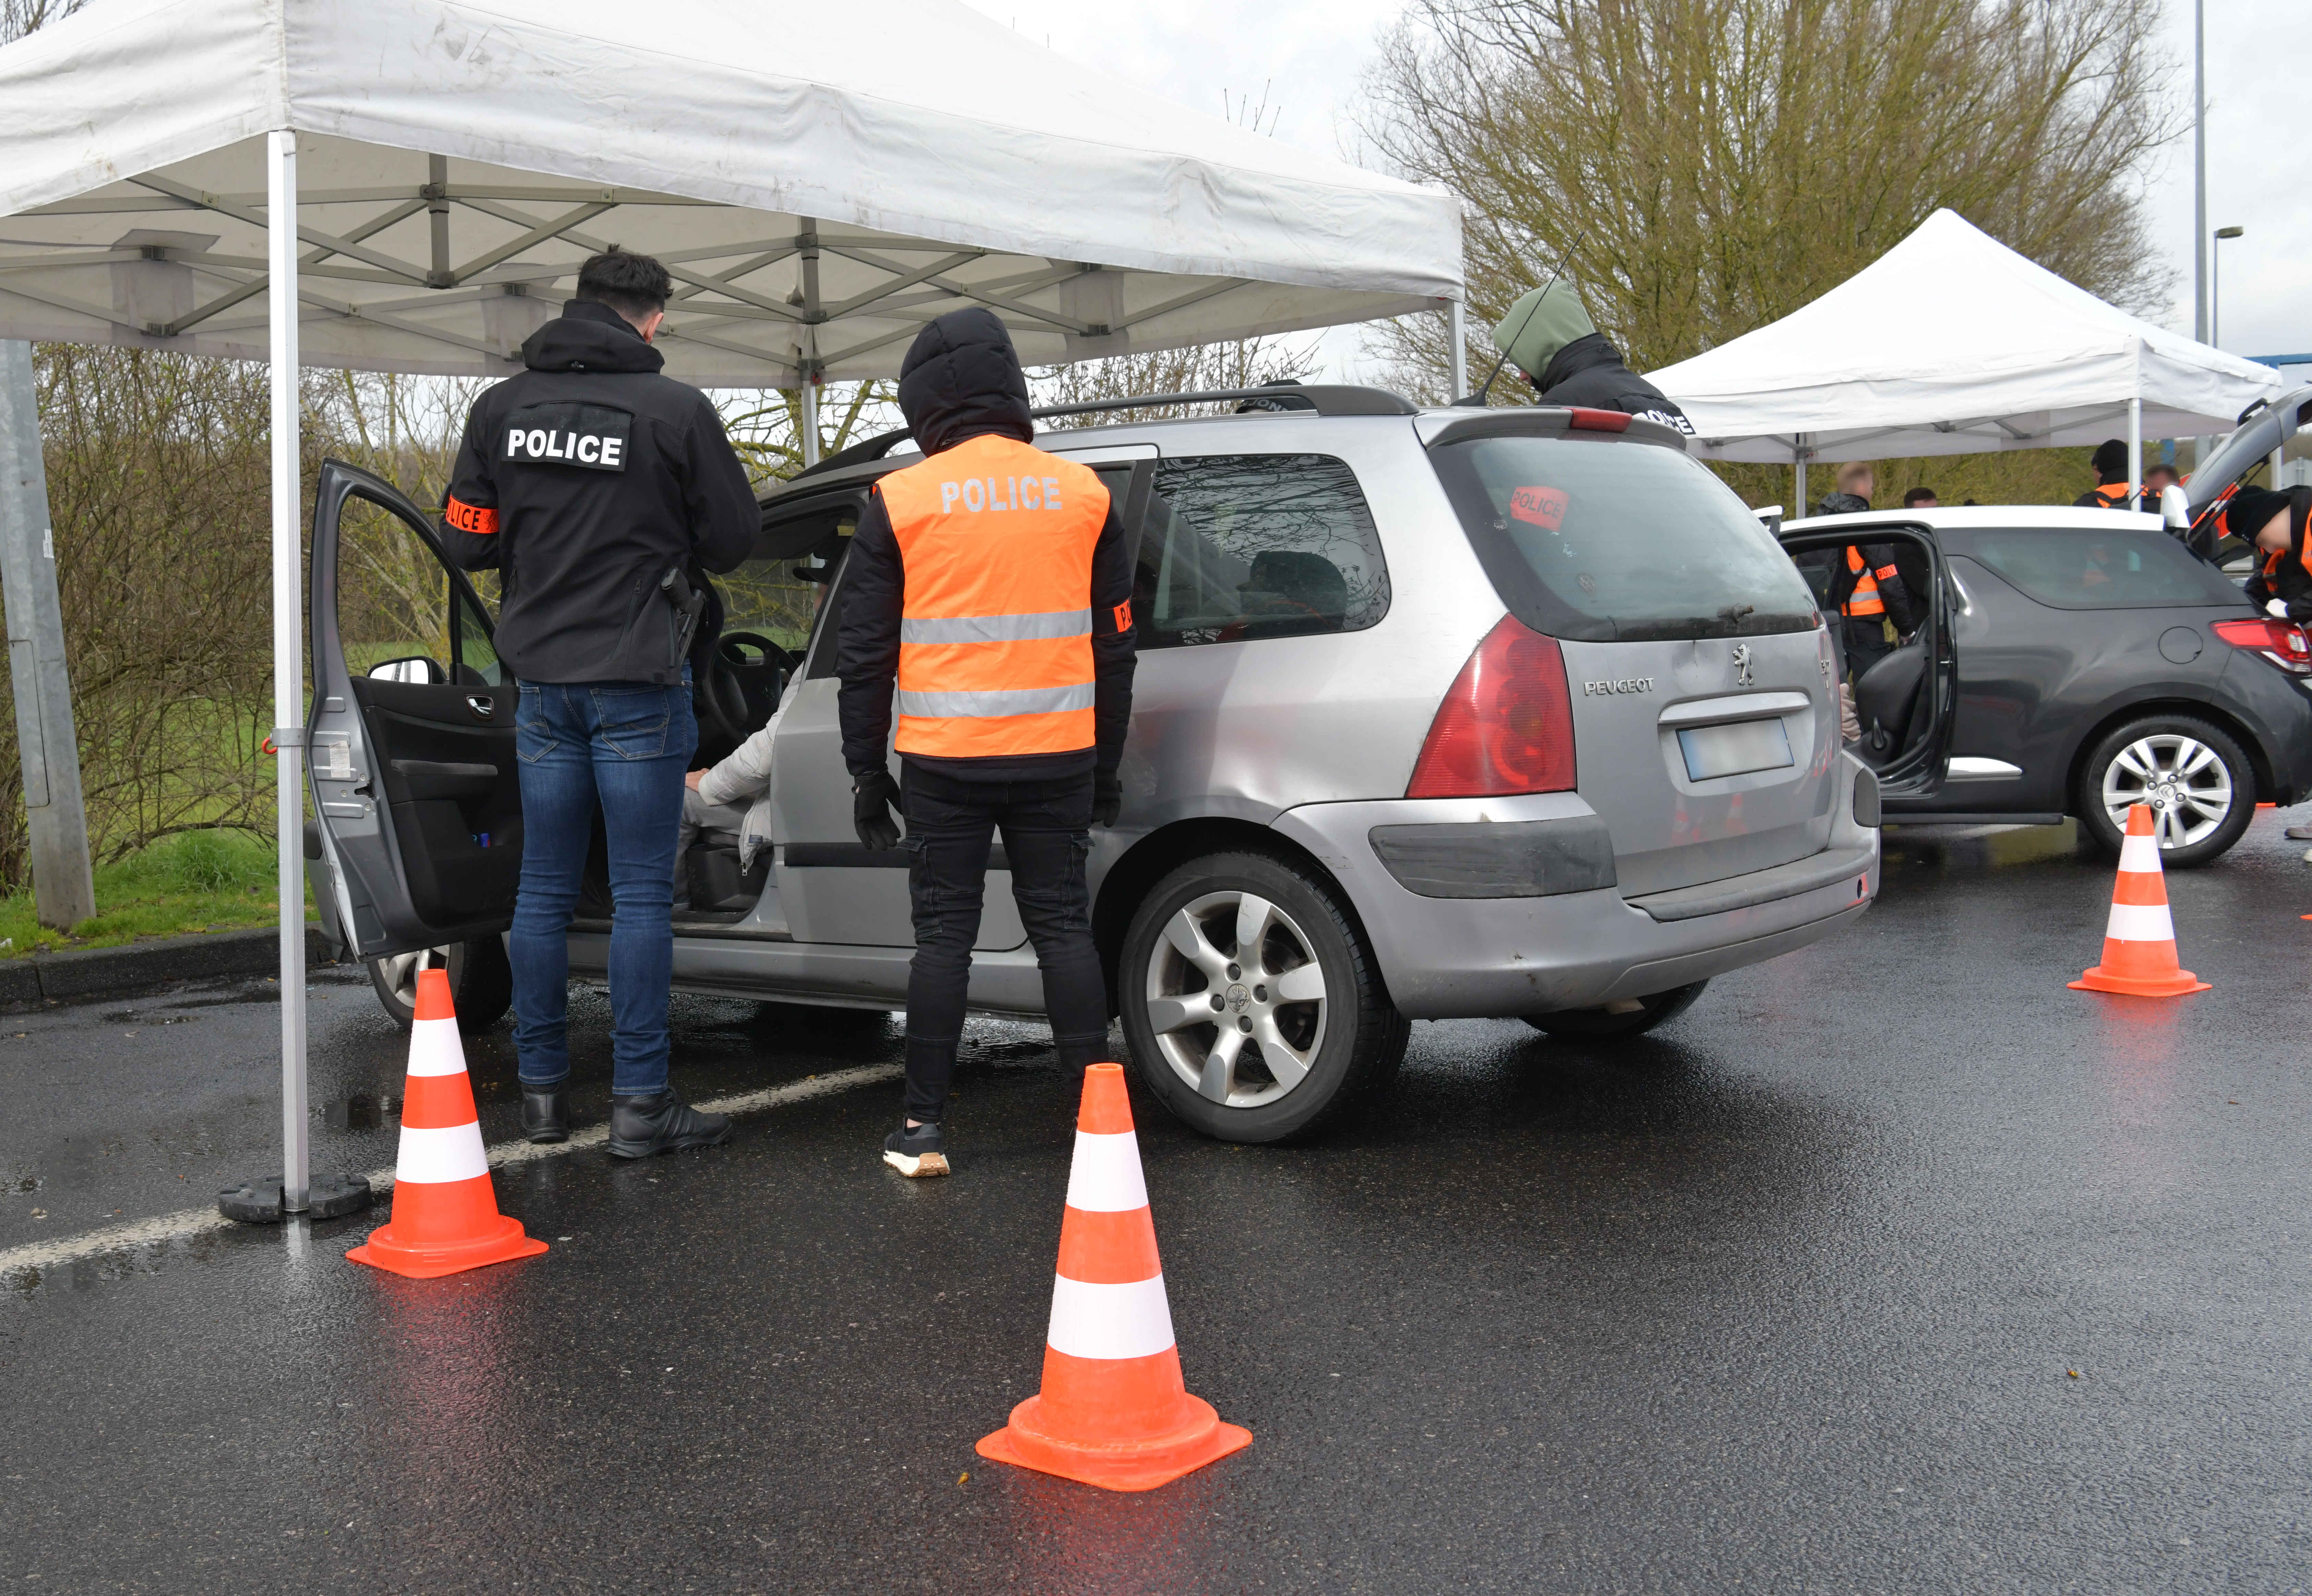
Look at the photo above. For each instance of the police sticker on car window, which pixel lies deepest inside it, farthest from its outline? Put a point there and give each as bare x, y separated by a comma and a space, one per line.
1543, 507
592, 437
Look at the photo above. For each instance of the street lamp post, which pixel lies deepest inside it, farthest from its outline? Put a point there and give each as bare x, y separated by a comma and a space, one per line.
2216, 284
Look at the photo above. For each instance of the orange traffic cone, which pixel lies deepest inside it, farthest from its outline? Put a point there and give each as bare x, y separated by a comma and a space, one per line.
2138, 943
1113, 1412
445, 1211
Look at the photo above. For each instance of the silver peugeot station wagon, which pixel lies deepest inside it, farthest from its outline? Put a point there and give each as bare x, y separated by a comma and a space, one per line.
1439, 713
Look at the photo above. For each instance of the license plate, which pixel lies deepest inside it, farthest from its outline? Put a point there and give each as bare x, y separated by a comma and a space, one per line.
1736, 750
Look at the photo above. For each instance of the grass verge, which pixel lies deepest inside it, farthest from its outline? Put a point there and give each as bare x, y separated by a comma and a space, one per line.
196, 880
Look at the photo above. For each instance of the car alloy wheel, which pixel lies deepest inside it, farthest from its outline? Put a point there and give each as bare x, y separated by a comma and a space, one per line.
481, 981
2183, 780
1237, 999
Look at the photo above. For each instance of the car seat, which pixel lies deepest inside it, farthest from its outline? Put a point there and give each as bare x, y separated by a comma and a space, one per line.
1885, 698
1290, 593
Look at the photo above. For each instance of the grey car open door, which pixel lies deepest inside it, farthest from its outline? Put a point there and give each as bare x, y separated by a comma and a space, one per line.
411, 734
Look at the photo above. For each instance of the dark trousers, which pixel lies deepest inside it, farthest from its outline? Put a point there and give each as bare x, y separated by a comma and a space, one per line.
1046, 828
1866, 642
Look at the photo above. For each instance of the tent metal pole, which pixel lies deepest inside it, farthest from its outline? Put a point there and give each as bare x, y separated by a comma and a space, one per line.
288, 662
2134, 447
813, 313
1457, 355
1798, 477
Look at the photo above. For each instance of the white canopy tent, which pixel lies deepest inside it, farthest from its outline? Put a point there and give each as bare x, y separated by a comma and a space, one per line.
1951, 343
411, 185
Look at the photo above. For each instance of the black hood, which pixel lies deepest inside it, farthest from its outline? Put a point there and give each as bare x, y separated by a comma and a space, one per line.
588, 338
1582, 354
961, 379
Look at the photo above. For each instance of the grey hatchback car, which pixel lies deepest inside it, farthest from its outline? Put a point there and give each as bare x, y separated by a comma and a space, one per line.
1439, 713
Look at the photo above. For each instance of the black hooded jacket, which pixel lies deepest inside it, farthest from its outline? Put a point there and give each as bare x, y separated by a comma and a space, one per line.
961, 379
2287, 577
582, 480
1588, 373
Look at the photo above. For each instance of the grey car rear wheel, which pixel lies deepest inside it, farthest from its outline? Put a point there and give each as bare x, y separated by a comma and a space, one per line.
1251, 1004
481, 981
2194, 778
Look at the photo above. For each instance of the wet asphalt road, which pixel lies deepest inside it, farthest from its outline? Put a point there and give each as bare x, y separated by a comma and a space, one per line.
1785, 1297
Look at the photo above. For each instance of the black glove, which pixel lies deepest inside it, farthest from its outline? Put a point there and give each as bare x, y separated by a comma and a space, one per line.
872, 797
1107, 798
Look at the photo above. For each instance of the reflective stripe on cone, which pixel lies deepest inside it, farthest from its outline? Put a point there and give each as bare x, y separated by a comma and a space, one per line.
2139, 938
1113, 1410
445, 1207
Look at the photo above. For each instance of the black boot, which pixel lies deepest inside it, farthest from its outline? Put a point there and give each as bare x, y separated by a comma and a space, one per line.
546, 1113
642, 1125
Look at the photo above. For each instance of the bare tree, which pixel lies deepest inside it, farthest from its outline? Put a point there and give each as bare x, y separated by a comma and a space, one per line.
1202, 368
20, 17
1703, 167
765, 424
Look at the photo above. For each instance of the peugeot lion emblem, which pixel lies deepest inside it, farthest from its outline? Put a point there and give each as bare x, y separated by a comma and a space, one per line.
1742, 665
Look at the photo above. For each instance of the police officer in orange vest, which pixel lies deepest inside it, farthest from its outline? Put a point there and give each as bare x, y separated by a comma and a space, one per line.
2111, 491
992, 585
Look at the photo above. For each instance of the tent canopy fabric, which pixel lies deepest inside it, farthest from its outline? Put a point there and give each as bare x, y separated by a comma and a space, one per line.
1951, 343
821, 180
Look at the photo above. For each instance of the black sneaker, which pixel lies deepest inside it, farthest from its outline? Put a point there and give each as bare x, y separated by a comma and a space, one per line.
546, 1113
917, 1151
642, 1125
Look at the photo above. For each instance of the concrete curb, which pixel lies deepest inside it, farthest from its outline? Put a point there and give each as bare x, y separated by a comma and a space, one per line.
86, 973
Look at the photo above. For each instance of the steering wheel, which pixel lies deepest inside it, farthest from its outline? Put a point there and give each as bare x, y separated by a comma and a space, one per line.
762, 678
721, 701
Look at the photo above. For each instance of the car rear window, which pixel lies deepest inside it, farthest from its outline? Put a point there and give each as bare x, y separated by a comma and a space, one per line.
1602, 540
2082, 568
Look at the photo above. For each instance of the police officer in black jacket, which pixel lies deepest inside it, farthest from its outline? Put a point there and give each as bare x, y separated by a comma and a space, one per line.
1548, 336
600, 491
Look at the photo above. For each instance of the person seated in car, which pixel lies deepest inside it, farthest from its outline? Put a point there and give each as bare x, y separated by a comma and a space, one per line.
731, 802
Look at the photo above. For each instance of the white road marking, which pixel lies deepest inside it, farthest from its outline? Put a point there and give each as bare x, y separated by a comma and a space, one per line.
196, 1222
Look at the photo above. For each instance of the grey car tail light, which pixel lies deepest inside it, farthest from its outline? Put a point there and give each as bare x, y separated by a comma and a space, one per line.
1507, 725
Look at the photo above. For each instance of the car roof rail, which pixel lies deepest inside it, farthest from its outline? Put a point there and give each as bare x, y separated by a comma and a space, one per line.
1325, 398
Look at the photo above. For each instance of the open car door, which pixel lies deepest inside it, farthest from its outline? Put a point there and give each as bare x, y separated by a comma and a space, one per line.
411, 736
1905, 701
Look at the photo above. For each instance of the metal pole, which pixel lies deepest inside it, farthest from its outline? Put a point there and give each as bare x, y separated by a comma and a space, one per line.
64, 894
2216, 295
2135, 436
1797, 476
288, 661
812, 315
2200, 328
1456, 357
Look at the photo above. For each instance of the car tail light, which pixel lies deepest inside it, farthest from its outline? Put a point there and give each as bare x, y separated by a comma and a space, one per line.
1506, 727
2280, 641
1600, 421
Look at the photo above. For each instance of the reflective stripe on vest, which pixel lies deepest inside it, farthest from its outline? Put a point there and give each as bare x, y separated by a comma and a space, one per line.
995, 537
1864, 600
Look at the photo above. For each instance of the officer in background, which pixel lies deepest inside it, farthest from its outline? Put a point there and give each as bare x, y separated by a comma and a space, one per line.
1866, 587
1548, 336
2110, 492
993, 582
598, 488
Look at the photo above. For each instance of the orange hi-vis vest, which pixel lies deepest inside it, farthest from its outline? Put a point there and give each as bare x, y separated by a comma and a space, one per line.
1864, 601
995, 539
2114, 494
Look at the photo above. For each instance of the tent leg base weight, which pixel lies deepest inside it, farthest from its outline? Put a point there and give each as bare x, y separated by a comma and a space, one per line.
328, 1196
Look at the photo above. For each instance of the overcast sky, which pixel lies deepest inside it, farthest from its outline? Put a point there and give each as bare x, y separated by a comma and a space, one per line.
1308, 55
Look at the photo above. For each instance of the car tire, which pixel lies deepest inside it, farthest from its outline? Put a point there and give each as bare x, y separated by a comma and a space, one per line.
481, 982
1593, 1024
1336, 1028
2166, 745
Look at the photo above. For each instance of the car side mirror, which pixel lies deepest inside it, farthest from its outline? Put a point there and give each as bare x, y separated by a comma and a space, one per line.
415, 669
2176, 508
1770, 518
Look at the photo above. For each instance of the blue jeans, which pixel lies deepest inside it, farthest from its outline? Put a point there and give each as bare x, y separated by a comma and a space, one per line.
624, 746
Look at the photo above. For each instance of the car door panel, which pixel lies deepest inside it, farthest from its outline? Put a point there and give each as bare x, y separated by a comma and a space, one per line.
415, 784
1918, 771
